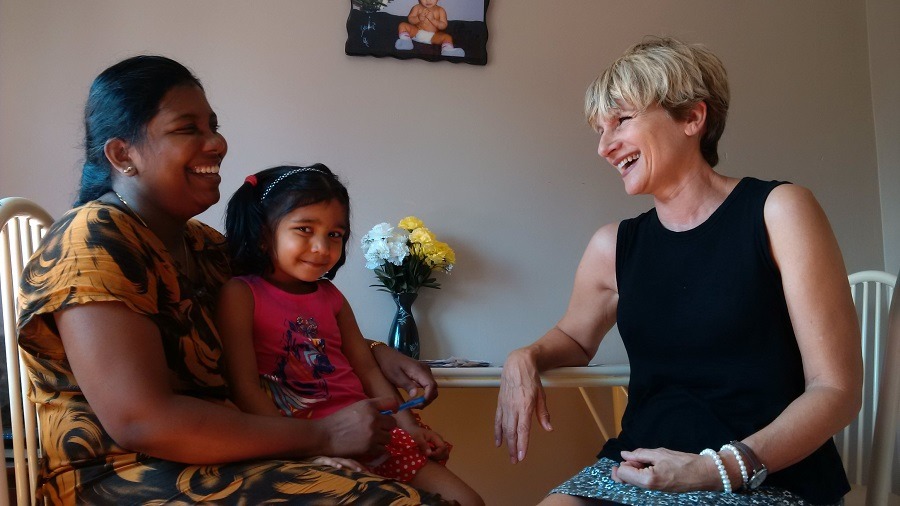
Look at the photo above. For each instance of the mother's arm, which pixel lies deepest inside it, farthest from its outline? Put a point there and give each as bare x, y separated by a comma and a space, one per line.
117, 358
404, 372
572, 342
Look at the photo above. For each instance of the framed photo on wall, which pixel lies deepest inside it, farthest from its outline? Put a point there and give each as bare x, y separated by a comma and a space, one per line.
433, 30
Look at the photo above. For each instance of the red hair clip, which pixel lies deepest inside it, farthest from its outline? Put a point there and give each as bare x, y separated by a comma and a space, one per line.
250, 179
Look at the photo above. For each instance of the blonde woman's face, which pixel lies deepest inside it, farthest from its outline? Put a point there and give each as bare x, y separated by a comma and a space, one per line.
646, 147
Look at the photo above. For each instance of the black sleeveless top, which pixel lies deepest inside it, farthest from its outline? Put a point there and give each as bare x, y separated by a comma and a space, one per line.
713, 354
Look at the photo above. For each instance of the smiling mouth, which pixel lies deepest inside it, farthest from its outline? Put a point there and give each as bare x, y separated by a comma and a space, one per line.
205, 169
628, 161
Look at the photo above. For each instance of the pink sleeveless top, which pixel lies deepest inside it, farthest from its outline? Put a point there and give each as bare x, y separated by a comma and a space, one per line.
298, 349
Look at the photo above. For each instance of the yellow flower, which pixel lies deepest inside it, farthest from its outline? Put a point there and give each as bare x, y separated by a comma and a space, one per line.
448, 252
438, 254
411, 223
421, 235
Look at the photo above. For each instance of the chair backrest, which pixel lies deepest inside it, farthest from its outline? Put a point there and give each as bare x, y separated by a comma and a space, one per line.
22, 225
872, 293
885, 435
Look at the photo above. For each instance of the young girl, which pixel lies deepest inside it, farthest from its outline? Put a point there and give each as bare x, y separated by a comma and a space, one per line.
287, 230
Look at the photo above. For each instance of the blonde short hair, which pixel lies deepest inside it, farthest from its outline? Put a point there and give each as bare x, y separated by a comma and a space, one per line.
670, 73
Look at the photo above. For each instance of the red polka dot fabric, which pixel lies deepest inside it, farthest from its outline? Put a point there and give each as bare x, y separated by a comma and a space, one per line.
405, 457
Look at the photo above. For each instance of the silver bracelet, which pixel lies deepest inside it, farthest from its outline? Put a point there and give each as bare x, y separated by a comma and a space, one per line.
726, 483
740, 460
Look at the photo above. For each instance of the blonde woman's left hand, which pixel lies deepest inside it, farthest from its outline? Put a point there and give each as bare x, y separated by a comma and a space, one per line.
667, 470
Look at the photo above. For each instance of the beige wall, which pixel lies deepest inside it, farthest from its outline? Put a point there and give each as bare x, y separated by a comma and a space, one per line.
499, 163
884, 40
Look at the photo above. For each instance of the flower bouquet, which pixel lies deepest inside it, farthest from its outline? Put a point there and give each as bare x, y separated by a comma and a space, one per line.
404, 258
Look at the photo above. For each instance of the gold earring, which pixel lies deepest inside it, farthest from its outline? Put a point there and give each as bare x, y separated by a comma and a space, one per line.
128, 170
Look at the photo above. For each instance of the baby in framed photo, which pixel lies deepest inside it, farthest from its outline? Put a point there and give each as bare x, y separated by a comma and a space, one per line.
426, 20
433, 30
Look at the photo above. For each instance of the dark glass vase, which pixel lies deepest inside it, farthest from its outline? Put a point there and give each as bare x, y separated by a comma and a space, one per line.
404, 335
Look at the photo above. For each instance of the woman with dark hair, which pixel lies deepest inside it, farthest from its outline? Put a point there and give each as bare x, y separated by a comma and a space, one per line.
118, 335
731, 298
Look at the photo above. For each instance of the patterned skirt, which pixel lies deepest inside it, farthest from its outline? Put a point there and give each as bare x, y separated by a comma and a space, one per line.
595, 482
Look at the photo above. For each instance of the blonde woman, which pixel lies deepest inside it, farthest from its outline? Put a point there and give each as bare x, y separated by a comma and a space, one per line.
731, 298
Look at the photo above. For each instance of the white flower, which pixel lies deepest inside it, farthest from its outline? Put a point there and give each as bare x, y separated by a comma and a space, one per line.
376, 253
397, 244
379, 232
384, 243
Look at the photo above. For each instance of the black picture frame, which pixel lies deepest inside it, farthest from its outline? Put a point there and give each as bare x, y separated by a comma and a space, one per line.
373, 29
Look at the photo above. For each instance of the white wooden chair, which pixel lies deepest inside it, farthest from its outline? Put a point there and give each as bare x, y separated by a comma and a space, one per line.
22, 225
872, 295
884, 438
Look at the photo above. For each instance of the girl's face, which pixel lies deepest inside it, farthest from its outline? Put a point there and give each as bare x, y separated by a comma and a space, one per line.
178, 160
308, 242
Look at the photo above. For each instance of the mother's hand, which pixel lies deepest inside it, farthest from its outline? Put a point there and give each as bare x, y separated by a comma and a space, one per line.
667, 470
359, 430
406, 373
521, 396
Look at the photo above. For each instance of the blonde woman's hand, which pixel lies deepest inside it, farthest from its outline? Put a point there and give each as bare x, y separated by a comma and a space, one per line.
521, 397
667, 470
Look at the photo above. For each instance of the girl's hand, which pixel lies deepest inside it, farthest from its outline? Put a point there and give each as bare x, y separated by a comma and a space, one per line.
668, 470
339, 463
437, 446
431, 444
415, 431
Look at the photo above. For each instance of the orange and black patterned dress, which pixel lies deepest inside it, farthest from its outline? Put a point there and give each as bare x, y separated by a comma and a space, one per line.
97, 253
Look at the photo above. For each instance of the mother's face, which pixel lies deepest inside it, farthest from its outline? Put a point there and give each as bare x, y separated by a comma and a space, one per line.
178, 159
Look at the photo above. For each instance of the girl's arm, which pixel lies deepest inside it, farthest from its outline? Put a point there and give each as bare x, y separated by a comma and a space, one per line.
359, 355
117, 358
234, 319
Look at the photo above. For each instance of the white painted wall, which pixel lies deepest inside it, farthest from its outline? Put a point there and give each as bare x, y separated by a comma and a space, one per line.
884, 63
501, 166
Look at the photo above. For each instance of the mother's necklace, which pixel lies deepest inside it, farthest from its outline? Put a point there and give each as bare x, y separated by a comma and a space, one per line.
136, 215
187, 255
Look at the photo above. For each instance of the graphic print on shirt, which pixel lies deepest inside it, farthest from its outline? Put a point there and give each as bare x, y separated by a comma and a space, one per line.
302, 367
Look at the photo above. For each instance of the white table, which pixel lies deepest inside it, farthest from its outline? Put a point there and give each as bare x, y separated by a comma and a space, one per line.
572, 377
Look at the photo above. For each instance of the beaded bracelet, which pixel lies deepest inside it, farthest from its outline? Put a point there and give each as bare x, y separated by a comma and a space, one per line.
373, 344
740, 460
726, 483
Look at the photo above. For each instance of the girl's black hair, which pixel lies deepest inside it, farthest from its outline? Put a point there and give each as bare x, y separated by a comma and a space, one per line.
256, 208
122, 100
